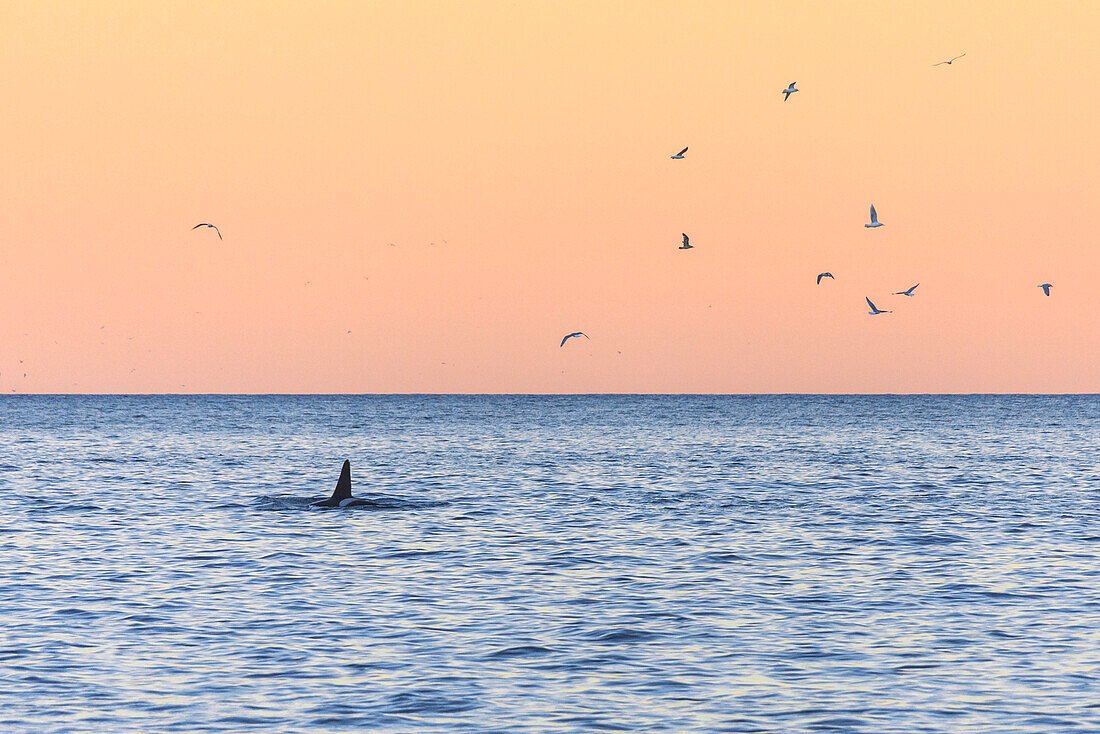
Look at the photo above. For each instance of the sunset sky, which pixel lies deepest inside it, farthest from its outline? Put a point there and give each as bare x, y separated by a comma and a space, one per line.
460, 184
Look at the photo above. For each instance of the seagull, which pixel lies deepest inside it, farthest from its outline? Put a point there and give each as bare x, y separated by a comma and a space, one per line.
687, 245
874, 218
1046, 288
875, 310
948, 62
679, 155
824, 275
789, 91
207, 224
567, 337
908, 292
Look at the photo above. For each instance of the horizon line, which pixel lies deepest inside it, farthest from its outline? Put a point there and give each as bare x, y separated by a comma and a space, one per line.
560, 394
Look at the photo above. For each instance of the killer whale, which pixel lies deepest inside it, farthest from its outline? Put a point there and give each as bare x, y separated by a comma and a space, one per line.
341, 496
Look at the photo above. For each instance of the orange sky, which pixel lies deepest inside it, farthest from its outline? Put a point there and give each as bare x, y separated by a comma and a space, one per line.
516, 155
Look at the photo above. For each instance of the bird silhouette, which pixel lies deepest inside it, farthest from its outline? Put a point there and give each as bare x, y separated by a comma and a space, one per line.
207, 224
567, 337
950, 60
875, 310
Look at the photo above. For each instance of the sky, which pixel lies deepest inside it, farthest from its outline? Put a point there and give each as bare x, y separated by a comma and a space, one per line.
460, 184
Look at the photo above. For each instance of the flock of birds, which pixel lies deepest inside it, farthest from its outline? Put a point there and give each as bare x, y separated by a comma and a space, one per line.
686, 244
874, 223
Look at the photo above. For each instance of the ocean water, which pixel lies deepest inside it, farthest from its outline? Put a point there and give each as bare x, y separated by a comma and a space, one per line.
550, 564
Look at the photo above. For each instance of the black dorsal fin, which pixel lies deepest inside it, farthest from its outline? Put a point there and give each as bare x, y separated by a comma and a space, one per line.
343, 487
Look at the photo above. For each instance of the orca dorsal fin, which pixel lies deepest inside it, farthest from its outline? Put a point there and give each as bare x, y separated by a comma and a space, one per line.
343, 486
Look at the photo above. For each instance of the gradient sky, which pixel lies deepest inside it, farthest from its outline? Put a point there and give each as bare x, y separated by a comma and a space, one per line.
516, 157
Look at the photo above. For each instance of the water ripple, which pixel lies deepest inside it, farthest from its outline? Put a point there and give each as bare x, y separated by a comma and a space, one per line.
550, 564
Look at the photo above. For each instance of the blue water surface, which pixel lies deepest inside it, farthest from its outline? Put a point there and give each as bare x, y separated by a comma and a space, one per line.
551, 564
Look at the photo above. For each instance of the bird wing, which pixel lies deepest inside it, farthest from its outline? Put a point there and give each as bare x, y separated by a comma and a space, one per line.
959, 56
874, 215
564, 339
218, 231
685, 239
791, 85
200, 224
938, 63
685, 150
819, 277
870, 304
912, 289
581, 333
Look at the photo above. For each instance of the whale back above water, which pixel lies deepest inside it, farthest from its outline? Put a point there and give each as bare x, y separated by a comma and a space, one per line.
341, 496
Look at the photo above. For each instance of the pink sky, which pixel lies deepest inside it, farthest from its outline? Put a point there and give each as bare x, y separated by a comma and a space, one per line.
516, 155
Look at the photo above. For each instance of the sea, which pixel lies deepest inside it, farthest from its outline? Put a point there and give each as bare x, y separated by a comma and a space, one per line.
665, 563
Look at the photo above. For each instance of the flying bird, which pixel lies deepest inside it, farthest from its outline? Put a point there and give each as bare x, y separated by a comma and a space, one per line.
687, 245
1046, 288
679, 155
207, 224
875, 310
949, 61
567, 337
824, 275
789, 91
908, 292
874, 218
